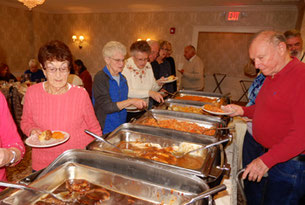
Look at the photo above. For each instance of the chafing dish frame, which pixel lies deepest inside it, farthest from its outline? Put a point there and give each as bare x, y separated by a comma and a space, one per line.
166, 182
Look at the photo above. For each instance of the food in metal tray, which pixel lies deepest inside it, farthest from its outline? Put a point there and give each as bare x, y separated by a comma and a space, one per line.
197, 98
180, 126
186, 109
86, 193
166, 155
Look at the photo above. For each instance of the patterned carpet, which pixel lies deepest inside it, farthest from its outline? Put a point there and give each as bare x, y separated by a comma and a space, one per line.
21, 170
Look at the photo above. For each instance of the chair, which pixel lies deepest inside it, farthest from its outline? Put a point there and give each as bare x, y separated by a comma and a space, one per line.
219, 81
245, 85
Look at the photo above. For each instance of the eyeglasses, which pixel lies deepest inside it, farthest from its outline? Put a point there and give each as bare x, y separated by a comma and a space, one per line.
63, 69
118, 60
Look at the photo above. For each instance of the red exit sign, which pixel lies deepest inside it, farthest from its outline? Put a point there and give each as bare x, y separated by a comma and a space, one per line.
233, 16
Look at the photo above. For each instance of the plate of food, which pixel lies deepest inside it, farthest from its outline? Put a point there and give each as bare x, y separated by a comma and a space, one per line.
170, 79
215, 110
47, 138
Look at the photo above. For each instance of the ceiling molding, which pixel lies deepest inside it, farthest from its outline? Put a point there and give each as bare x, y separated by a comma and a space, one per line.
94, 9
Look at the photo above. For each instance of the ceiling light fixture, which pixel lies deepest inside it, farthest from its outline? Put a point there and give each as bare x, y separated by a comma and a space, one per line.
31, 3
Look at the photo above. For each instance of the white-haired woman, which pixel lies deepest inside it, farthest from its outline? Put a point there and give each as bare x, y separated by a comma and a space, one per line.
110, 89
35, 74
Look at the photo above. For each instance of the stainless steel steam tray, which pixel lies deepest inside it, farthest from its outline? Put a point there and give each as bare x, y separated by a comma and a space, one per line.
119, 174
161, 138
200, 120
216, 96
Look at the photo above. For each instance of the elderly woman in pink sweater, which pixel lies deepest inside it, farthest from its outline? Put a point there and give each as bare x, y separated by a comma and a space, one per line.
11, 146
57, 105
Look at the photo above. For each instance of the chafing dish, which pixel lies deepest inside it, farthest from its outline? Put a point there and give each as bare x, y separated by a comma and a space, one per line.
175, 104
222, 99
200, 120
120, 174
161, 138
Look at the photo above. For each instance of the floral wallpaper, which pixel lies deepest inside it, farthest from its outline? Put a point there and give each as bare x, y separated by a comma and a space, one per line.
23, 32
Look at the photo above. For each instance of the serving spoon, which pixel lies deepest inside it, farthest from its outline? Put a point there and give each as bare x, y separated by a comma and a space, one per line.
152, 115
203, 147
102, 139
36, 190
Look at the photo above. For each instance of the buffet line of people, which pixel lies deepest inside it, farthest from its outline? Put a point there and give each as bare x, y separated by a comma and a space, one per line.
125, 88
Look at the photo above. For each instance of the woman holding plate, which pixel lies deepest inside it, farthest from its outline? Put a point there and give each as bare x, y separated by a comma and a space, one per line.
57, 106
162, 67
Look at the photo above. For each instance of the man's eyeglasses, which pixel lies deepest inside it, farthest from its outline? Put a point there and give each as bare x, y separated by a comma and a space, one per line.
63, 69
118, 60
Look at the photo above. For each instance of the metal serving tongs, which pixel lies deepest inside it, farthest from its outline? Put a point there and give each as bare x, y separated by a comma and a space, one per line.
206, 193
35, 190
102, 139
152, 115
204, 147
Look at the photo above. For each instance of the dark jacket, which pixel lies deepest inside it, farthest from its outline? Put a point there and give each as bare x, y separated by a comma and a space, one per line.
107, 93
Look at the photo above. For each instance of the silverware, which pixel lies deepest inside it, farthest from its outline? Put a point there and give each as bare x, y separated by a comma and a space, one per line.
206, 193
203, 147
102, 139
35, 190
152, 115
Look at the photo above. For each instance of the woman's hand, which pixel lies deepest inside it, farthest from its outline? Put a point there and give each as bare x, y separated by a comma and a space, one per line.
156, 96
139, 103
237, 110
36, 132
160, 81
6, 156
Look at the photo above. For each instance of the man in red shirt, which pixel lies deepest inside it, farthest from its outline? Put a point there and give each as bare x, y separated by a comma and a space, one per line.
277, 120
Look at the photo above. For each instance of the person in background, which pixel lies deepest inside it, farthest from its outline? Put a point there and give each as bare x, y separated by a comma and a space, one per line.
278, 118
171, 62
34, 72
155, 48
140, 78
74, 79
192, 70
5, 73
295, 44
83, 73
162, 67
12, 148
111, 89
57, 105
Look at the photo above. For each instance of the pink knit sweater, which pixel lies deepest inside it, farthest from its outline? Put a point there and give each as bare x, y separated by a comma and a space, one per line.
71, 112
9, 136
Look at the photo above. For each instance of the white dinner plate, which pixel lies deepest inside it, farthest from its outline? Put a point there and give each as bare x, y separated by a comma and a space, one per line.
218, 113
33, 140
131, 108
170, 81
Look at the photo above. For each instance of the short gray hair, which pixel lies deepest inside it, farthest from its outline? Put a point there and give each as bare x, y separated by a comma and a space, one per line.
273, 37
34, 62
112, 47
292, 33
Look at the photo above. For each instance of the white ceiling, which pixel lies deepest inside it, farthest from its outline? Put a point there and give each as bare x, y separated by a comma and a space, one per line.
98, 6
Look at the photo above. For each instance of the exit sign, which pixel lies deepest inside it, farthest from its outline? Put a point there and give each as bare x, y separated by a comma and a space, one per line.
232, 15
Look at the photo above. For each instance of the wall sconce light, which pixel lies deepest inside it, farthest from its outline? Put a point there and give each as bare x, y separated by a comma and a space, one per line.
139, 39
78, 40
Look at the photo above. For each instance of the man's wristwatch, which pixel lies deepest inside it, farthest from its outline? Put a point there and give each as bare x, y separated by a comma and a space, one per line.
13, 159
